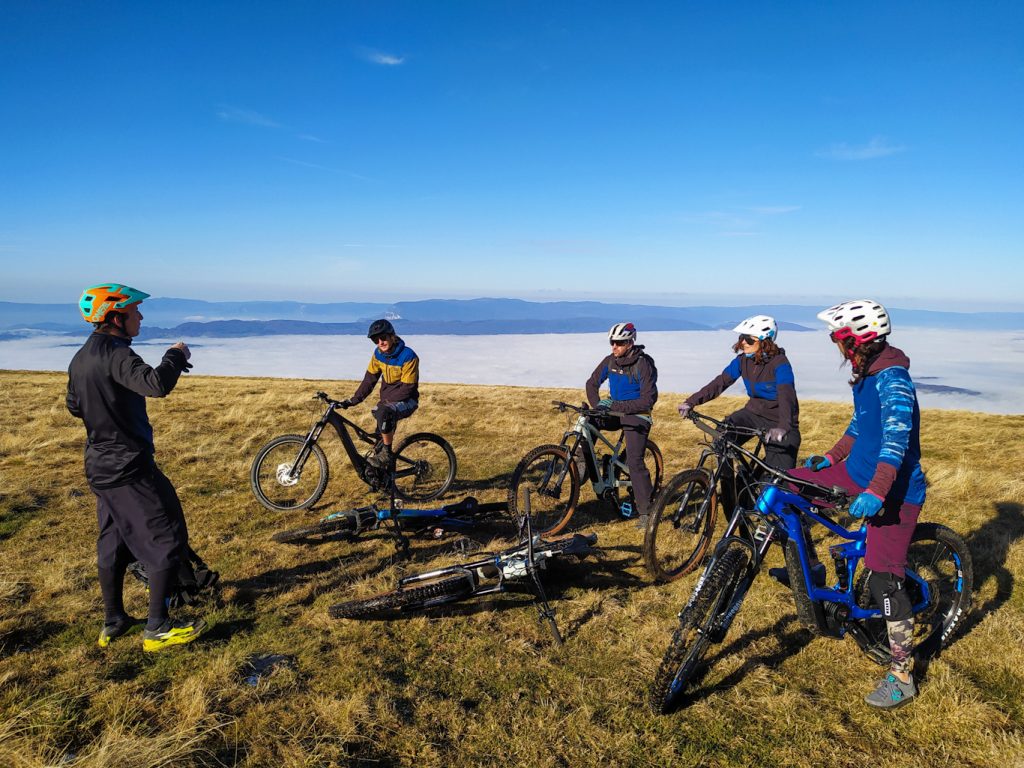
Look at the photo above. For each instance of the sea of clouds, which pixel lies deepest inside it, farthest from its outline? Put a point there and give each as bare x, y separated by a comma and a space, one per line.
988, 364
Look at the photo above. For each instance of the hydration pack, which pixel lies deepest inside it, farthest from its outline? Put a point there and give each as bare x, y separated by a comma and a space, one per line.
194, 579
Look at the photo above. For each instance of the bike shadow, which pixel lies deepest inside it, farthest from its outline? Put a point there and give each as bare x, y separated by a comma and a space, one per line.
989, 546
499, 482
790, 643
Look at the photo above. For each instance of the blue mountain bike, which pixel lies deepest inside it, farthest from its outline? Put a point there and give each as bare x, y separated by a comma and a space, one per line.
939, 577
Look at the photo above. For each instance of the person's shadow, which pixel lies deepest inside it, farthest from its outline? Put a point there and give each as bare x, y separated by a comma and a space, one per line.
989, 546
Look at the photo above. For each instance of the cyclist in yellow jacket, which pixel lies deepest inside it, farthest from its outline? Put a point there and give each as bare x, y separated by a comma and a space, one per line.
399, 367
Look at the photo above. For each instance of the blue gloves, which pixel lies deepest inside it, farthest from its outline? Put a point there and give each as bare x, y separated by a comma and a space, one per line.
605, 404
818, 463
865, 505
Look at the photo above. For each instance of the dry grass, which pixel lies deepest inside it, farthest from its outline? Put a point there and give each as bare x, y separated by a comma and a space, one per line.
479, 684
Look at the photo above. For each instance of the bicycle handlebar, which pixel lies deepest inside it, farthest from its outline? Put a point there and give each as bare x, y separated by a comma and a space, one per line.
585, 410
700, 419
834, 495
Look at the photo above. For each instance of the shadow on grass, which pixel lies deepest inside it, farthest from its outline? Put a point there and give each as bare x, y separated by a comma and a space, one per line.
790, 643
989, 546
30, 636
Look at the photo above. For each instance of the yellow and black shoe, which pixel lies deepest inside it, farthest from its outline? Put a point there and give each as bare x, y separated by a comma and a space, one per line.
172, 633
115, 629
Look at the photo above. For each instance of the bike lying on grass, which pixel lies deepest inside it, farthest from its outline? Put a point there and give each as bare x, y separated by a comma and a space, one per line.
682, 520
552, 473
486, 576
457, 518
939, 577
283, 477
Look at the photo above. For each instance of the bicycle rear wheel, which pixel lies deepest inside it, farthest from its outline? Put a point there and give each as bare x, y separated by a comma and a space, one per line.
335, 524
446, 588
273, 481
940, 557
424, 467
655, 467
700, 626
552, 500
680, 526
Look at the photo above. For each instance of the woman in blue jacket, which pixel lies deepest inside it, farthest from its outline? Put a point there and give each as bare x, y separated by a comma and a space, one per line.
878, 459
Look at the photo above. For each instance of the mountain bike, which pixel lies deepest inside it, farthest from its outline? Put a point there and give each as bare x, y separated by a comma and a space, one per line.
459, 518
683, 516
553, 473
939, 577
284, 478
486, 576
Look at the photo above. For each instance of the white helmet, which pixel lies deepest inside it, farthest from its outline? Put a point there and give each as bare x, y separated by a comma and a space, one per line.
622, 332
862, 319
761, 327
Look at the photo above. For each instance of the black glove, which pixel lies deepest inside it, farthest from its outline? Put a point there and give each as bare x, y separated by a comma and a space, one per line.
345, 404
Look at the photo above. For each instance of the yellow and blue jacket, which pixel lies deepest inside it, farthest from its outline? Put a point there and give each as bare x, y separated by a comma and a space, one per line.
400, 369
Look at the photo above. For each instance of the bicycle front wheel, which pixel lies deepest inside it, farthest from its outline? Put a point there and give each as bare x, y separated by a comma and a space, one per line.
424, 467
281, 486
446, 588
700, 626
680, 526
340, 524
554, 484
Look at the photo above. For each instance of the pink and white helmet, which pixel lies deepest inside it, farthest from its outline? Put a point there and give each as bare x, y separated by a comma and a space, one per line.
761, 327
861, 319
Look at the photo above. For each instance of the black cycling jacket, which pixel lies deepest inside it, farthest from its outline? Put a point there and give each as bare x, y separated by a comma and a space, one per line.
107, 389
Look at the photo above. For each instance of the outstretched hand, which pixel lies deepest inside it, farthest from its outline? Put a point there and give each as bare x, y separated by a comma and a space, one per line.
684, 410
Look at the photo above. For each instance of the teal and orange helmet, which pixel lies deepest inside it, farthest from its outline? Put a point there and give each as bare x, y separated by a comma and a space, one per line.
98, 301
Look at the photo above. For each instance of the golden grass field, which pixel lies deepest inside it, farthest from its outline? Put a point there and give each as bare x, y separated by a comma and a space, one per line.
480, 683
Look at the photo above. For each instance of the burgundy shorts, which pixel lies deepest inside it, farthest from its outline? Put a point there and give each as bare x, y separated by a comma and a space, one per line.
889, 531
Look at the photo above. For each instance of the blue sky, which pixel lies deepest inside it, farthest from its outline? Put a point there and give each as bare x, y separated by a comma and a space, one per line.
676, 152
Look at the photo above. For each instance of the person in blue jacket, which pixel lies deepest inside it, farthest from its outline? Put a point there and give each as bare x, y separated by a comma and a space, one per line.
768, 377
878, 459
633, 385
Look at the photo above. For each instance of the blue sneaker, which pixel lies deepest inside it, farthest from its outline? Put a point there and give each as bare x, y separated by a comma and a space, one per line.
891, 692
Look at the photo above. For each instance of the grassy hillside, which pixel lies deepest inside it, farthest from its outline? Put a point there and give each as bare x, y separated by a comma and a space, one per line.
478, 684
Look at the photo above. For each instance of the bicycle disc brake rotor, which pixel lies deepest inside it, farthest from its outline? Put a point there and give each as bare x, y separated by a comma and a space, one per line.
285, 476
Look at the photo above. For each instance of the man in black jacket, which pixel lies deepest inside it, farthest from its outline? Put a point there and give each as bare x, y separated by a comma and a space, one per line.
139, 514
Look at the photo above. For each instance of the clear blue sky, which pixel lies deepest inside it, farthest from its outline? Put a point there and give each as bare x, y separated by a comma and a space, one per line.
668, 152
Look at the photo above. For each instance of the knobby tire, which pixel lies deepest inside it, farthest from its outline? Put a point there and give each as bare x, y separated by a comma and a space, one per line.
282, 498
447, 588
699, 623
551, 508
676, 538
435, 469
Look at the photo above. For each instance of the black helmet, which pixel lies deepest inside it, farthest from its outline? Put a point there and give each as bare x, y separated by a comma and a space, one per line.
380, 328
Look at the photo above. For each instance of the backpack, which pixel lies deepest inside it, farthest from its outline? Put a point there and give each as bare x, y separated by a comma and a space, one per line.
194, 581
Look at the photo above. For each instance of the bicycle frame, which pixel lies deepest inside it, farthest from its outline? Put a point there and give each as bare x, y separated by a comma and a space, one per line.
781, 515
604, 478
341, 426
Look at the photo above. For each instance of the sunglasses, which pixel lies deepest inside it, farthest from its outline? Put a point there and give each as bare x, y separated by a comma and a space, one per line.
619, 343
748, 340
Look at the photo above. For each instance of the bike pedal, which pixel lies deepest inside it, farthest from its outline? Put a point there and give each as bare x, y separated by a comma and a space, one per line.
626, 510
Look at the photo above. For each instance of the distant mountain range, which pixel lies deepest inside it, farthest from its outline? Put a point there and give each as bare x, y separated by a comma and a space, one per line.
189, 318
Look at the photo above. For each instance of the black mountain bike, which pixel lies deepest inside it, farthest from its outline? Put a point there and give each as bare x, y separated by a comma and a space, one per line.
486, 576
553, 473
290, 472
682, 520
